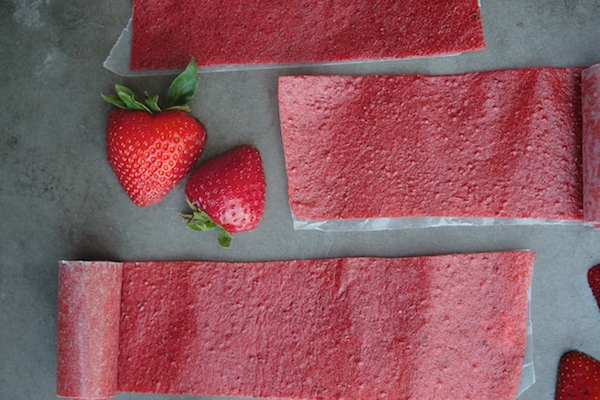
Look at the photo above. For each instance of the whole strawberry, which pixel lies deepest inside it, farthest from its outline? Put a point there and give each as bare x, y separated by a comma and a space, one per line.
578, 377
227, 191
151, 150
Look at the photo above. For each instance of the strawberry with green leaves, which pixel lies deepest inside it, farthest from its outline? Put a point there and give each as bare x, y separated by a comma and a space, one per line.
227, 191
151, 150
578, 377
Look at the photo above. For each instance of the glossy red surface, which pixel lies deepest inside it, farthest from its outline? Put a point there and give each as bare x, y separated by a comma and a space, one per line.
593, 276
167, 33
230, 188
367, 328
500, 144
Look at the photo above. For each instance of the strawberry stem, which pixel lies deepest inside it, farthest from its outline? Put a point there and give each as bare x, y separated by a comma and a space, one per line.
181, 91
152, 103
224, 237
199, 220
184, 86
125, 99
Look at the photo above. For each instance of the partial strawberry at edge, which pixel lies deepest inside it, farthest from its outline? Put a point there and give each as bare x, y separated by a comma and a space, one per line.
228, 191
578, 377
151, 150
594, 282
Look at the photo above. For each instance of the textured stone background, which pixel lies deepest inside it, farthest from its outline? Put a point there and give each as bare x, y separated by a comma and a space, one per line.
60, 200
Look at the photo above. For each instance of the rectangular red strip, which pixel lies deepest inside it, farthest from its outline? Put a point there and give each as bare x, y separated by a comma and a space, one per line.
499, 144
364, 328
168, 33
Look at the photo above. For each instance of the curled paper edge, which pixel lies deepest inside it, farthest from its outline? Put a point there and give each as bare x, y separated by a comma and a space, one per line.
119, 58
528, 371
382, 224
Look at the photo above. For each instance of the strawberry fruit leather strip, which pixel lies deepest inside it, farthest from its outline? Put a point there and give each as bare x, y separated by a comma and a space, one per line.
419, 327
590, 89
500, 144
168, 33
88, 329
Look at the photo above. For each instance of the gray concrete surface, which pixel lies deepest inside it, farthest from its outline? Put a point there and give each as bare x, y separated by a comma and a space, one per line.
60, 200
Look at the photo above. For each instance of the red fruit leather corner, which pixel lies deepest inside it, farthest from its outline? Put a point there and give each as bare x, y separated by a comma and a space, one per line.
594, 282
168, 33
590, 88
499, 144
366, 328
88, 329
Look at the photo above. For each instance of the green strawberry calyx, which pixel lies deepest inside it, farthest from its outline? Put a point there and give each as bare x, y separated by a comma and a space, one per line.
180, 93
199, 220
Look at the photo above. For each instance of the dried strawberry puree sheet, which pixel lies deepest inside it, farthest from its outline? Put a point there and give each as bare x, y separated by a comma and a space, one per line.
590, 82
382, 152
166, 34
418, 328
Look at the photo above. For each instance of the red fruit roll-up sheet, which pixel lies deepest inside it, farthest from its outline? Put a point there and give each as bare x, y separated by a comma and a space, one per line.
168, 33
88, 329
488, 145
419, 327
590, 88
